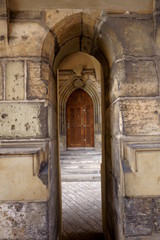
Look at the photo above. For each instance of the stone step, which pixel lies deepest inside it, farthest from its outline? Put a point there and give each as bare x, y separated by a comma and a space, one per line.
80, 177
80, 158
80, 165
80, 153
81, 171
80, 161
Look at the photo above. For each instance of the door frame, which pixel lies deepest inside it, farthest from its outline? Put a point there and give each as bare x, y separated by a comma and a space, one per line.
93, 90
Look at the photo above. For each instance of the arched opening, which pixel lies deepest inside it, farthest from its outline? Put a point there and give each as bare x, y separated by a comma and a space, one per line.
80, 145
86, 33
80, 120
86, 75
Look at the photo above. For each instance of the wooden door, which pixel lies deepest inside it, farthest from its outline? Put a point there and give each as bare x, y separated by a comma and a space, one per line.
80, 120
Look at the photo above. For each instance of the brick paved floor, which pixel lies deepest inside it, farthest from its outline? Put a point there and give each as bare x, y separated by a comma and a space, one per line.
81, 211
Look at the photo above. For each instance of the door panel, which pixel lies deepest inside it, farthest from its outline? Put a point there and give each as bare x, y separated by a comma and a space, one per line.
89, 126
75, 126
80, 124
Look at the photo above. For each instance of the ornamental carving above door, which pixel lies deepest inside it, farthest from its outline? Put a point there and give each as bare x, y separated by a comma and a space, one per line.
80, 120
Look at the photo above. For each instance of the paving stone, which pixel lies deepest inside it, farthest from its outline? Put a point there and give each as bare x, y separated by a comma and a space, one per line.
81, 207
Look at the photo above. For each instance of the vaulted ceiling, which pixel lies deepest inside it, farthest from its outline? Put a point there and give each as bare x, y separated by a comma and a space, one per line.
140, 6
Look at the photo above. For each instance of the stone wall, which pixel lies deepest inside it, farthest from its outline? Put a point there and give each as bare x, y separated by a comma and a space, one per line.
23, 220
142, 218
32, 45
135, 111
27, 138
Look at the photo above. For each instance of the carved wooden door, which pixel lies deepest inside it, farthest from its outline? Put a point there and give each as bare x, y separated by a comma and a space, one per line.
80, 120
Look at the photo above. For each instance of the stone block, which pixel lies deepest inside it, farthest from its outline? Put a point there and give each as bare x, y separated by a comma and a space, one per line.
45, 71
141, 78
135, 35
36, 87
134, 78
52, 16
153, 237
23, 220
27, 15
157, 32
52, 91
156, 212
48, 48
141, 168
156, 5
20, 182
69, 47
138, 216
86, 45
1, 82
52, 122
62, 143
158, 66
117, 82
23, 120
25, 39
3, 32
98, 141
114, 126
148, 161
135, 184
14, 85
68, 29
140, 117
89, 19
107, 41
3, 8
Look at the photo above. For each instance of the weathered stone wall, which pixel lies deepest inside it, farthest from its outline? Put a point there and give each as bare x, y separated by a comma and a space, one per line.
142, 218
26, 133
23, 220
32, 45
135, 124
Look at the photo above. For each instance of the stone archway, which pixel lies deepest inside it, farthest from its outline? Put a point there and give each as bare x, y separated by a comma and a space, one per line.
89, 33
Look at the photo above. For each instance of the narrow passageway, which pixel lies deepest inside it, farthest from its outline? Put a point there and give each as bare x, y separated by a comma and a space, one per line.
80, 141
81, 194
81, 211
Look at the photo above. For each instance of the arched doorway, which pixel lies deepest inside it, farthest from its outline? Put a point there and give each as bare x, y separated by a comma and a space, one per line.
100, 41
85, 74
80, 120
